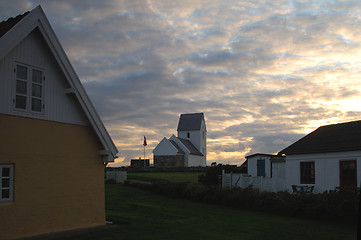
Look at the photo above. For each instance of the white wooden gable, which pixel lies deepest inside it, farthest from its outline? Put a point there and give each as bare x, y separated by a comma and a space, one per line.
65, 97
165, 148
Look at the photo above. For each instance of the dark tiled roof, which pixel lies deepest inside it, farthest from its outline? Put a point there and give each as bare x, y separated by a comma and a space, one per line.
5, 26
192, 149
180, 151
331, 138
259, 154
190, 121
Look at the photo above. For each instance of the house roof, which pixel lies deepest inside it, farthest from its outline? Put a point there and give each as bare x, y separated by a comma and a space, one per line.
260, 154
16, 29
190, 121
5, 26
330, 138
192, 149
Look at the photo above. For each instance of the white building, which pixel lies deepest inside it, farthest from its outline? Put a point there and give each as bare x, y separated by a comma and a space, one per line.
265, 165
327, 158
189, 148
264, 171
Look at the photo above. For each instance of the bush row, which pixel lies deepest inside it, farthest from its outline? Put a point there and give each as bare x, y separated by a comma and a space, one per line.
340, 205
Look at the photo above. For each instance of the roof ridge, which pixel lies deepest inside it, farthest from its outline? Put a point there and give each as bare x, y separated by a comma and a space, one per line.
341, 123
191, 113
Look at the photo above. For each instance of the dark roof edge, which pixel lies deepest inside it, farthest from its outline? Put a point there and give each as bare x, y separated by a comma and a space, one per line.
260, 154
313, 152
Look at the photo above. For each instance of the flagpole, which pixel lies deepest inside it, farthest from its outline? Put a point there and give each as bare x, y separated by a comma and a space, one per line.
144, 144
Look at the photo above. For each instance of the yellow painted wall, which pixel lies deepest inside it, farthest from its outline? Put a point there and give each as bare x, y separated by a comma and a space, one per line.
59, 177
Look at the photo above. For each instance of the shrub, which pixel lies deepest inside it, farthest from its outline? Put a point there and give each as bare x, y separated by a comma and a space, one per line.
340, 204
212, 176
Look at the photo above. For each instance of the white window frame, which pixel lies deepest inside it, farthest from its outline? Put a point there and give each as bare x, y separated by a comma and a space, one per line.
10, 178
29, 89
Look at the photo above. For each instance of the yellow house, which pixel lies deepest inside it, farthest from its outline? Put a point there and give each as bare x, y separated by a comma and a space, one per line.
53, 145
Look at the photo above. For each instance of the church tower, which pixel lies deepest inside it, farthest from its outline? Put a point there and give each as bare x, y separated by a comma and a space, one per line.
192, 127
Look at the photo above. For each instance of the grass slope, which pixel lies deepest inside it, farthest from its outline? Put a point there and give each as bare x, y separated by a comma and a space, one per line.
142, 215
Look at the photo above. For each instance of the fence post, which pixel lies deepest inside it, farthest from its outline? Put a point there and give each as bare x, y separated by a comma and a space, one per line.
223, 178
231, 179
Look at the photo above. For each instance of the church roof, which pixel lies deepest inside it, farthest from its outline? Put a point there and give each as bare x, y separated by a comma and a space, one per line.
192, 149
180, 151
190, 121
330, 138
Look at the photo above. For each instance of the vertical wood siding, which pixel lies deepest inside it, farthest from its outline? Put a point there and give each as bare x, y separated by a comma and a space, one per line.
59, 106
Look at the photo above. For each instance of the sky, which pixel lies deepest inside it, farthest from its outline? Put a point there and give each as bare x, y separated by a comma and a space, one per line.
264, 73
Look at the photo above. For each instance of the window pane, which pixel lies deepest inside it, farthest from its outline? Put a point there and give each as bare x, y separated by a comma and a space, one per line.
36, 90
21, 87
5, 182
352, 165
35, 105
6, 172
312, 172
21, 72
5, 193
307, 172
20, 102
37, 76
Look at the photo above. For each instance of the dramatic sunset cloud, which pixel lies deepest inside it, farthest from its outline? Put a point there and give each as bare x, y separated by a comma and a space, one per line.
264, 73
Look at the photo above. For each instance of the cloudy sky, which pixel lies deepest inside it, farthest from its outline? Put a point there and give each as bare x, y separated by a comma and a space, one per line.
264, 73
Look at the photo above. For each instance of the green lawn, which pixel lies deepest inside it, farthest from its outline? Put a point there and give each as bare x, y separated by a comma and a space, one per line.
142, 215
165, 176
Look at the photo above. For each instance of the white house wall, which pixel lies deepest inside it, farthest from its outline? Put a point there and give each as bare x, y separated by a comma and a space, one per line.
59, 106
327, 169
203, 145
278, 170
252, 165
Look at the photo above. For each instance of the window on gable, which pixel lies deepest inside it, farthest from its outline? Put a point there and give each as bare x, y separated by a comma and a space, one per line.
21, 87
6, 182
307, 172
188, 135
29, 89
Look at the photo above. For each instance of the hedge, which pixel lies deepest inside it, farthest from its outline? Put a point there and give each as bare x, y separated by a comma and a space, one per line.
339, 205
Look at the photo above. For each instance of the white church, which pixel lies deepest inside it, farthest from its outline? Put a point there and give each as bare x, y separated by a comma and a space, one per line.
188, 149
